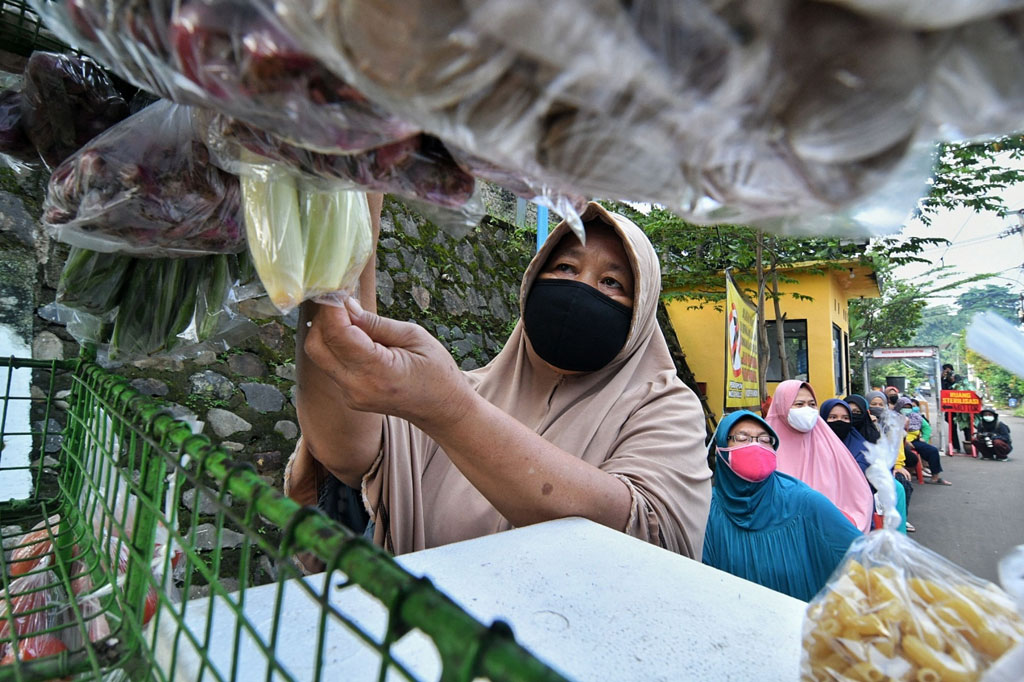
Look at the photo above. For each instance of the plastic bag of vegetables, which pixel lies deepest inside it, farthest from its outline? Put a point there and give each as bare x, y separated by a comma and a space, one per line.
229, 55
146, 187
306, 242
139, 307
66, 101
418, 169
14, 140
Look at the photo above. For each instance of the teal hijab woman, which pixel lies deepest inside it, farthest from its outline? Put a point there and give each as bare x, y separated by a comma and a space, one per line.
765, 526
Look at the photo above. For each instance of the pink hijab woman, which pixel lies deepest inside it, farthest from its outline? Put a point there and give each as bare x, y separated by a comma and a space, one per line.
808, 450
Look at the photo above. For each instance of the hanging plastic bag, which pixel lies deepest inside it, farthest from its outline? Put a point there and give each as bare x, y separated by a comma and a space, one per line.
140, 307
995, 339
306, 243
93, 282
930, 14
896, 610
146, 187
977, 89
418, 169
14, 140
66, 101
789, 115
231, 56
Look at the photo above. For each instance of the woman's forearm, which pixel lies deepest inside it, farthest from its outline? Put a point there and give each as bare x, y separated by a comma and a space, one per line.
344, 440
526, 478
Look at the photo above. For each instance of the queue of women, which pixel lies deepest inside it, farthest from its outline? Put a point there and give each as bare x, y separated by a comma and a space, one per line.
580, 414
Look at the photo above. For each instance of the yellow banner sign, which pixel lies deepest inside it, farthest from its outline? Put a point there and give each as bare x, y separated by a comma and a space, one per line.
741, 371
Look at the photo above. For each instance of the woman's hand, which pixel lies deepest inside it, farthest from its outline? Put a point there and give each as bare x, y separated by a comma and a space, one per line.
385, 366
903, 471
389, 367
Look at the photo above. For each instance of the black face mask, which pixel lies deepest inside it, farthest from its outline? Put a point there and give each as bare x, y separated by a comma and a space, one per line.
841, 429
573, 326
893, 399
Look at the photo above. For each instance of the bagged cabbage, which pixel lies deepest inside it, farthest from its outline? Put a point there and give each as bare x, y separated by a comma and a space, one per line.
146, 187
230, 56
305, 242
66, 101
896, 610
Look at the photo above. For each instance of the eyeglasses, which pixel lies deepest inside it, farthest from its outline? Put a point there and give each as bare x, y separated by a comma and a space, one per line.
763, 439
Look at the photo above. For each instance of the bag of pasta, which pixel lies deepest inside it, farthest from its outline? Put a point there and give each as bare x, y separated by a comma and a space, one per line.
896, 610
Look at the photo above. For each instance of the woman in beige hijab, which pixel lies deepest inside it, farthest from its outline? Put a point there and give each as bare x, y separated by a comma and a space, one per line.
580, 414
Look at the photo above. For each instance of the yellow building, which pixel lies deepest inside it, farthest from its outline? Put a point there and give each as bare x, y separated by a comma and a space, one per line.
817, 330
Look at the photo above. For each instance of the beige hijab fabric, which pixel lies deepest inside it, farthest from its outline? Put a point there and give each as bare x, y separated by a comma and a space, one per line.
634, 419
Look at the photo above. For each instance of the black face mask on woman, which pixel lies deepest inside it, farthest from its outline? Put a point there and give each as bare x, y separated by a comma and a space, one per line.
841, 429
573, 326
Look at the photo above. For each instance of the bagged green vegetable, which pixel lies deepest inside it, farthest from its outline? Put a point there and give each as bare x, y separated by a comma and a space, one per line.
306, 242
93, 282
133, 308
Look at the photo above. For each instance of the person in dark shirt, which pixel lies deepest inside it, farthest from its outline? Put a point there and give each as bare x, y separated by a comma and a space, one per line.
992, 437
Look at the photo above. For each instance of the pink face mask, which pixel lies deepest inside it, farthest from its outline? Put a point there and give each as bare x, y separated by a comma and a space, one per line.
752, 462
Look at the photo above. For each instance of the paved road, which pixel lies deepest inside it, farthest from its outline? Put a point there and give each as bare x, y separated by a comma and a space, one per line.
980, 518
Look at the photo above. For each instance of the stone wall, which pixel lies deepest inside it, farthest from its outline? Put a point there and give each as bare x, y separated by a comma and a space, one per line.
465, 291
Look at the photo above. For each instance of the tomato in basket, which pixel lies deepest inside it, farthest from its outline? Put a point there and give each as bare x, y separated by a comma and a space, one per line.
30, 551
39, 646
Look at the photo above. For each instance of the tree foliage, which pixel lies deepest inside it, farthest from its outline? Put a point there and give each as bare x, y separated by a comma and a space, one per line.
940, 324
693, 258
973, 175
896, 318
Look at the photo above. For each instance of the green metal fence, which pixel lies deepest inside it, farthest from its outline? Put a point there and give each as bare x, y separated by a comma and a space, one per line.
22, 32
156, 556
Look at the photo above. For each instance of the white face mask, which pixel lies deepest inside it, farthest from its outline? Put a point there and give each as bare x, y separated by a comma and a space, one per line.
988, 418
802, 418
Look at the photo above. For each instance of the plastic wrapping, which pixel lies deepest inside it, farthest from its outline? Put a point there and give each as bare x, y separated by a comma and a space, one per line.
33, 599
895, 610
995, 339
14, 140
881, 457
66, 101
306, 243
228, 55
418, 168
31, 549
788, 114
146, 187
743, 112
978, 85
134, 307
930, 14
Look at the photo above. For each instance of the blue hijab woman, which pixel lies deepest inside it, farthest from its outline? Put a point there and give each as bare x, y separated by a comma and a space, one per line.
839, 417
765, 526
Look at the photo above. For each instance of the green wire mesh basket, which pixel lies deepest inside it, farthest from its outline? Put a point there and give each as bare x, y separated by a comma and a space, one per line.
135, 549
22, 31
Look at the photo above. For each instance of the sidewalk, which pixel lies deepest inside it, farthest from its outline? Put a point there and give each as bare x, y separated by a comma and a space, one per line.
980, 518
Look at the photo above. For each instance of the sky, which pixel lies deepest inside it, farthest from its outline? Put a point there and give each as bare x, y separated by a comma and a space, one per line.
976, 247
